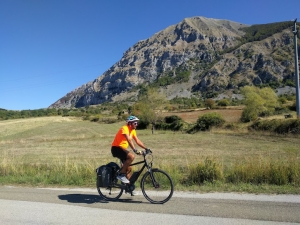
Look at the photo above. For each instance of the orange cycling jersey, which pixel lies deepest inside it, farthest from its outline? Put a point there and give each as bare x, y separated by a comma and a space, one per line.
120, 139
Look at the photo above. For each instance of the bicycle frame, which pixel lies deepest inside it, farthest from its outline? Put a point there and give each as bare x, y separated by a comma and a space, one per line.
134, 178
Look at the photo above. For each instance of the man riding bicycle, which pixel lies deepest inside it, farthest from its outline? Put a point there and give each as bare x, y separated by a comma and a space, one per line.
123, 139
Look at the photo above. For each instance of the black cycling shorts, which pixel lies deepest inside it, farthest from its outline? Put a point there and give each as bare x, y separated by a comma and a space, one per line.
119, 152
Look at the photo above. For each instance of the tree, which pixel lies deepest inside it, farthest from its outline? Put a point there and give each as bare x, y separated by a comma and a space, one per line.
209, 103
149, 107
258, 102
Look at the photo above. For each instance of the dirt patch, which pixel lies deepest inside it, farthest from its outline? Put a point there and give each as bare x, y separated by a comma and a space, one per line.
229, 115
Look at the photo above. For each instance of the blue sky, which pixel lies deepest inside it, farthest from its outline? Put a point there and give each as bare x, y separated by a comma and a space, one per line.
50, 47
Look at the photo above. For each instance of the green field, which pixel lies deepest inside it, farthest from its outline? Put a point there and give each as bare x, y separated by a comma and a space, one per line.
65, 151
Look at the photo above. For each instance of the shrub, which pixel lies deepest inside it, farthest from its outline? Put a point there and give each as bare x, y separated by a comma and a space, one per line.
282, 99
172, 119
265, 125
291, 126
208, 120
248, 115
224, 102
143, 124
173, 122
95, 118
281, 110
266, 113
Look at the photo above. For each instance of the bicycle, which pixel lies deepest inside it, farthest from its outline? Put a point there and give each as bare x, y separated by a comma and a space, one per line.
156, 185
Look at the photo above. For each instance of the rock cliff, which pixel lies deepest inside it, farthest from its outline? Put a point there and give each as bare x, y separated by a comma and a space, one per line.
198, 56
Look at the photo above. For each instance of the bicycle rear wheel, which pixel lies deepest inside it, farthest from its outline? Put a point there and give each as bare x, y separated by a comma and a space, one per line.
157, 186
110, 193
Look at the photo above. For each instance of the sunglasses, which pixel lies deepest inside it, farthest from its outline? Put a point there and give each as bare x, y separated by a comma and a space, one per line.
135, 123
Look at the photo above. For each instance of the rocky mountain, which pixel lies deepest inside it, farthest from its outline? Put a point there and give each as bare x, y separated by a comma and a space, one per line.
196, 57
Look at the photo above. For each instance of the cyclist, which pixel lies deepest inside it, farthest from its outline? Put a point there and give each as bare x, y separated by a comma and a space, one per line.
123, 139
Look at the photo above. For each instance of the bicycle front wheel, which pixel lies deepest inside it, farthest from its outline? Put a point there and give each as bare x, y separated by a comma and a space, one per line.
157, 186
110, 193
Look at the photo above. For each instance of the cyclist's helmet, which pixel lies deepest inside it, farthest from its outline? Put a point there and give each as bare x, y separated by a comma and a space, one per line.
132, 119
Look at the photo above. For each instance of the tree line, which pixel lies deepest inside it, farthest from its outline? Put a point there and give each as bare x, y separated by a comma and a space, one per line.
258, 102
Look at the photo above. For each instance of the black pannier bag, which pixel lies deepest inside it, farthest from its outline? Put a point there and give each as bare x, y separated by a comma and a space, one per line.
115, 167
105, 174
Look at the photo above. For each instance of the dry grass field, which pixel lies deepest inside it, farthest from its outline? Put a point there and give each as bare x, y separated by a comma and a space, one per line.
67, 140
48, 139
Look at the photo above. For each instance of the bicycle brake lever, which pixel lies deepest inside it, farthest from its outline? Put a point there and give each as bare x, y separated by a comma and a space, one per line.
147, 150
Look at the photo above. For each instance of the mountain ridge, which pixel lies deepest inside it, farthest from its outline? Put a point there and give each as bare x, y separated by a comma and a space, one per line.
208, 54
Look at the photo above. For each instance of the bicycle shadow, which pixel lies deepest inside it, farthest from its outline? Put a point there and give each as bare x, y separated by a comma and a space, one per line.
91, 199
82, 198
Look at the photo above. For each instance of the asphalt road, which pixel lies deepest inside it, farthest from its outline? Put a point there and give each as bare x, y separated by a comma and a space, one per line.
21, 205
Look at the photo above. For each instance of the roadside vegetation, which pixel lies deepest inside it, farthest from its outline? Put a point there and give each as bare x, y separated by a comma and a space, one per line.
205, 145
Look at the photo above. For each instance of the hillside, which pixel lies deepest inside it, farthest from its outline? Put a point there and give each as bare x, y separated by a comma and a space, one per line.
199, 57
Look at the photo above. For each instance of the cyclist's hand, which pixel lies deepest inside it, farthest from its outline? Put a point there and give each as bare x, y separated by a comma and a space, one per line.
148, 150
137, 152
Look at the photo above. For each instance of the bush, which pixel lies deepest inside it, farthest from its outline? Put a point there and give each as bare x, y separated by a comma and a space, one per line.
224, 102
173, 122
291, 126
281, 110
282, 99
95, 118
208, 120
265, 125
248, 115
266, 113
172, 119
143, 124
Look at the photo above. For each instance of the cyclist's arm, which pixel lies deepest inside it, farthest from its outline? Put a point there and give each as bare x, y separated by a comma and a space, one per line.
139, 142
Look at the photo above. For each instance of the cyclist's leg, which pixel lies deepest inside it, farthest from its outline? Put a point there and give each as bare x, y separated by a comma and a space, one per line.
126, 158
126, 165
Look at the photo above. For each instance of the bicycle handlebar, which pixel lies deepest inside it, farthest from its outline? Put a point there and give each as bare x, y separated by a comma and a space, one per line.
146, 152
